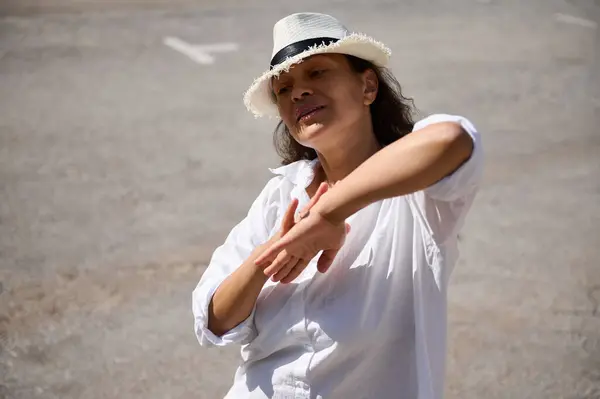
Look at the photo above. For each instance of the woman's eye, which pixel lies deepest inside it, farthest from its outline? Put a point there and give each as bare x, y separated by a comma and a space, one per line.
317, 72
282, 90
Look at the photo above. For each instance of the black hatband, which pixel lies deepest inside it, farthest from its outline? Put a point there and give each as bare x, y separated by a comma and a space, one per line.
298, 47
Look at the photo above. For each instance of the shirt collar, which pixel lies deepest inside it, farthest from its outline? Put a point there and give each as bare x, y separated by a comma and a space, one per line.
301, 173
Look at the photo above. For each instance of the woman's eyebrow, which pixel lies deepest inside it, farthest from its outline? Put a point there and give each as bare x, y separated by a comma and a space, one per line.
281, 80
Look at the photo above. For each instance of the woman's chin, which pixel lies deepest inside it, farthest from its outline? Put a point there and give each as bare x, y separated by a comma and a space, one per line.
310, 132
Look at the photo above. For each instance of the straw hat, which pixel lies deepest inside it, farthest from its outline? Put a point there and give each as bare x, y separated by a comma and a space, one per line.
302, 35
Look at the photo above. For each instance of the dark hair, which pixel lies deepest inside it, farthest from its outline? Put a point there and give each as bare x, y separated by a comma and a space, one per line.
391, 115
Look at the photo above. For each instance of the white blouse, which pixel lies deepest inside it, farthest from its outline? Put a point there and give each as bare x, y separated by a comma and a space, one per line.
373, 325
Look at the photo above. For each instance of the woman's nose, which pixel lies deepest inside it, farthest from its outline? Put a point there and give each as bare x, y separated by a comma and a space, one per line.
300, 92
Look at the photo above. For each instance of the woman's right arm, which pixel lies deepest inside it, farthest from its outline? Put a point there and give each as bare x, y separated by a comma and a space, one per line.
229, 286
223, 302
234, 299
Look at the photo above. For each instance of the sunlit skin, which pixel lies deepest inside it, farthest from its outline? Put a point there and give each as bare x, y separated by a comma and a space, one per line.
340, 129
325, 105
354, 172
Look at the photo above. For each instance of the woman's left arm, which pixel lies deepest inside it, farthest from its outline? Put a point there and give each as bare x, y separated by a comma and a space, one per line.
422, 160
411, 164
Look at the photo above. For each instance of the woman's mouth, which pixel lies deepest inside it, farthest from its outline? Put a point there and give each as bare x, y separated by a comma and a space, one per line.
307, 113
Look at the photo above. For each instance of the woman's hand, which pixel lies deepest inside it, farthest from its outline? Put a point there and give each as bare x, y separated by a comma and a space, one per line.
287, 223
289, 256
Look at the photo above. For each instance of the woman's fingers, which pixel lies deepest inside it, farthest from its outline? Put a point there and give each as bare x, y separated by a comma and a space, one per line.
318, 194
278, 263
285, 269
296, 271
288, 219
326, 259
269, 255
323, 187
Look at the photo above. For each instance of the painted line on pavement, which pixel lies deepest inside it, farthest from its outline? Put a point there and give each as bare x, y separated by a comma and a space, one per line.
199, 53
570, 19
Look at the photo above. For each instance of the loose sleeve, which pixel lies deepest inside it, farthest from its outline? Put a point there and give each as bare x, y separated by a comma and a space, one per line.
440, 210
443, 206
466, 178
251, 232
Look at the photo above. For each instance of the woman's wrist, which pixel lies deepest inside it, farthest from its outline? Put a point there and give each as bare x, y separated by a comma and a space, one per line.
256, 271
334, 207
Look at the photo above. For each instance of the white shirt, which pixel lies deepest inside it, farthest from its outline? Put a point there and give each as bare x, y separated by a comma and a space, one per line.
373, 325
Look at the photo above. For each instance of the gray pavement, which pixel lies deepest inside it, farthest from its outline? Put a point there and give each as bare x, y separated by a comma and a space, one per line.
123, 163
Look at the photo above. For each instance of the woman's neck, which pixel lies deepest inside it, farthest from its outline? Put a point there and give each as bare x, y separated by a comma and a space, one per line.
343, 159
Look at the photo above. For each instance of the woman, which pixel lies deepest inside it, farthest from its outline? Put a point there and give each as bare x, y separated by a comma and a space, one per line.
346, 298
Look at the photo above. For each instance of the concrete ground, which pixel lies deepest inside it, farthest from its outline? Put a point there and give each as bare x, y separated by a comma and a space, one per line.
123, 163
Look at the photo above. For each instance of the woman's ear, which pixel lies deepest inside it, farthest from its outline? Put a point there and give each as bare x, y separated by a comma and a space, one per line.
371, 86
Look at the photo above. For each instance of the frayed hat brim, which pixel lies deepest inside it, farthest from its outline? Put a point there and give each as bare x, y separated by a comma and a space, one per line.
258, 99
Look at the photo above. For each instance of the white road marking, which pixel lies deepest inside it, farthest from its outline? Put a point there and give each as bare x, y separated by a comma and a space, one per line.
199, 53
570, 19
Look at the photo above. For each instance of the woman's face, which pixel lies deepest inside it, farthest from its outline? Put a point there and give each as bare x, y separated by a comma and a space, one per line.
322, 98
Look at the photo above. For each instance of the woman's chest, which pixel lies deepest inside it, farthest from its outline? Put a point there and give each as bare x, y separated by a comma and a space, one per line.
367, 290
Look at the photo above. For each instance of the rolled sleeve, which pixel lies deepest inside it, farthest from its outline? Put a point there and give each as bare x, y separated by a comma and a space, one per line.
464, 180
202, 296
251, 232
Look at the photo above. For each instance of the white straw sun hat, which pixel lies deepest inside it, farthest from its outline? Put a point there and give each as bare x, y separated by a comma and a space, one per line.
302, 35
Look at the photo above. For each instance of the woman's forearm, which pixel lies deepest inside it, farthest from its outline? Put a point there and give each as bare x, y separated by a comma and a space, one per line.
235, 298
410, 164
